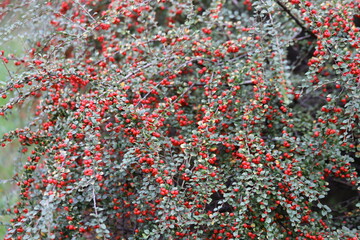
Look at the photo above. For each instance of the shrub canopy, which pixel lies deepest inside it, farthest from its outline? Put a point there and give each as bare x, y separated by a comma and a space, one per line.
191, 119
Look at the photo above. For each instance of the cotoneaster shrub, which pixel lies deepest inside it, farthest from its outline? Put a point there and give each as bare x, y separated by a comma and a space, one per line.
186, 119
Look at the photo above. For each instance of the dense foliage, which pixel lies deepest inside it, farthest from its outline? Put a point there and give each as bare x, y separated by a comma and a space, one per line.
189, 119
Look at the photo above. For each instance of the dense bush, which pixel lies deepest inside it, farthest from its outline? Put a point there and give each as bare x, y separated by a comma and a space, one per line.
190, 119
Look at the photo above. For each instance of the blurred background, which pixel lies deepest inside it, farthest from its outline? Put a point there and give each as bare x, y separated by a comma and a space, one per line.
12, 41
8, 154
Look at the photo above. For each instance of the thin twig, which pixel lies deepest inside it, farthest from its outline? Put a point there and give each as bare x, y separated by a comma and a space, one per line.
7, 69
233, 59
143, 98
236, 3
187, 90
86, 11
343, 183
135, 72
94, 200
301, 38
300, 24
69, 19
